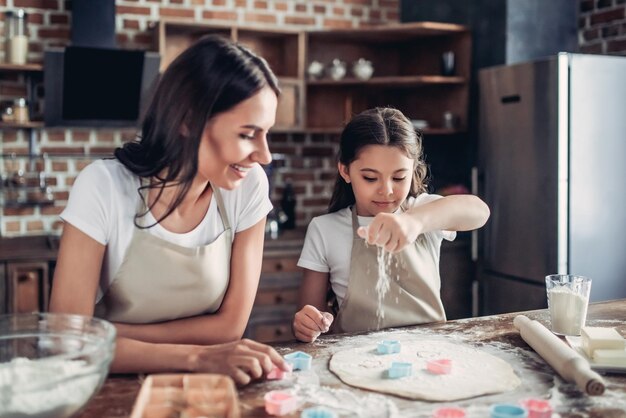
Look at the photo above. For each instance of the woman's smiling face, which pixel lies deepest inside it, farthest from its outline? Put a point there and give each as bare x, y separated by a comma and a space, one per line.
233, 141
380, 177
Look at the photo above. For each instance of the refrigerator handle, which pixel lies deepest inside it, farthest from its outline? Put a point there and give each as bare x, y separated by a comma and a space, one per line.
475, 298
474, 186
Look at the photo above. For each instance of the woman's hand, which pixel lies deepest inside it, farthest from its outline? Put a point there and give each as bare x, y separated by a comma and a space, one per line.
309, 323
243, 360
391, 231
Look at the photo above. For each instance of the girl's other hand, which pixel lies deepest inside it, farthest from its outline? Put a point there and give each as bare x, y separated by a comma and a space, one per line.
243, 360
309, 323
390, 231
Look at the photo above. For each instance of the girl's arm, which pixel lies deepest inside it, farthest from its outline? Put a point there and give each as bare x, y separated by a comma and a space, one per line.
450, 213
230, 320
311, 320
74, 291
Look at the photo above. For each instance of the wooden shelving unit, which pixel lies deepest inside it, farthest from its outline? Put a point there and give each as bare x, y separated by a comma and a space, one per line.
33, 124
407, 70
21, 67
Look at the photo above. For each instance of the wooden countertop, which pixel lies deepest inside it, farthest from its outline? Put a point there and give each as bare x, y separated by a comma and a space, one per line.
494, 334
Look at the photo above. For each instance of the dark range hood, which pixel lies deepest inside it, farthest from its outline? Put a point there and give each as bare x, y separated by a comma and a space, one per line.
93, 83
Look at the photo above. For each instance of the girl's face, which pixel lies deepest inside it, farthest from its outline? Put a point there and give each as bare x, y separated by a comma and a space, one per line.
380, 177
235, 140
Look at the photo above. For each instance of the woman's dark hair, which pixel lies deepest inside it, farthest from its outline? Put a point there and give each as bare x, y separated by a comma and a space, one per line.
378, 126
210, 77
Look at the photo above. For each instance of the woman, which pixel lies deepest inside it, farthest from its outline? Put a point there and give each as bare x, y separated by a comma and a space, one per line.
166, 239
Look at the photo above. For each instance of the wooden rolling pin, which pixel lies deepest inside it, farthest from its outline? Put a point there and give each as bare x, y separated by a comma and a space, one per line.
568, 363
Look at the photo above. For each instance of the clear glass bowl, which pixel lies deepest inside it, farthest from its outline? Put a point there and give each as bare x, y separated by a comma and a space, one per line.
51, 364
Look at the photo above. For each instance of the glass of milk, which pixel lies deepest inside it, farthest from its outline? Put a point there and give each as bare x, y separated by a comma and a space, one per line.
568, 298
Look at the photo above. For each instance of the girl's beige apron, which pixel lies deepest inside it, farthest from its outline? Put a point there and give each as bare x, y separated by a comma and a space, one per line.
414, 286
160, 281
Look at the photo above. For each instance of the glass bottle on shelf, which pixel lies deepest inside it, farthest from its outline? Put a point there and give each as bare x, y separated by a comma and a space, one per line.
16, 37
20, 111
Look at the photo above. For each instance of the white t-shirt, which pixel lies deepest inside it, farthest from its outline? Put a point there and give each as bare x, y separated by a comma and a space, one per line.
104, 200
328, 243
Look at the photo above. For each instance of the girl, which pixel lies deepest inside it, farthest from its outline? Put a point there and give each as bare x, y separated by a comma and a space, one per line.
379, 198
153, 239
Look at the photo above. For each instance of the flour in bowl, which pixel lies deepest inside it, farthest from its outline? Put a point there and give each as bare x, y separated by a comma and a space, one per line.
46, 388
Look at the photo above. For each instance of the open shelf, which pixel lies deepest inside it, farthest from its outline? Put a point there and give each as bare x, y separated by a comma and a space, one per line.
22, 125
391, 81
406, 58
21, 67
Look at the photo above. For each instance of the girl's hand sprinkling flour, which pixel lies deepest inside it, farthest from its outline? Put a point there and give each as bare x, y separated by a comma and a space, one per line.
391, 231
309, 323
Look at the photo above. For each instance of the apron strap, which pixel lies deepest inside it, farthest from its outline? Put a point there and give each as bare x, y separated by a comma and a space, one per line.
355, 223
220, 207
142, 206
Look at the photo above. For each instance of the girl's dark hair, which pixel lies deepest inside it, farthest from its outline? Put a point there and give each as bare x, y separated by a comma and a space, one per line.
210, 77
378, 126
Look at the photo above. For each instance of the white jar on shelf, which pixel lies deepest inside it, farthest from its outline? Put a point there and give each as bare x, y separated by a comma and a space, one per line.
16, 37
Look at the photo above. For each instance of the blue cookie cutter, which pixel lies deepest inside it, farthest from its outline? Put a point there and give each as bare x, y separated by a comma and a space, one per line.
388, 347
318, 412
398, 370
508, 411
299, 360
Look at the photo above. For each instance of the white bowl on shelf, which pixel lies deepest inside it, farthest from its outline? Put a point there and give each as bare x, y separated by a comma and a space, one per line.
420, 124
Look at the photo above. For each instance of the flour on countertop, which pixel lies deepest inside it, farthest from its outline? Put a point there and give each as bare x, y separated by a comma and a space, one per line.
24, 392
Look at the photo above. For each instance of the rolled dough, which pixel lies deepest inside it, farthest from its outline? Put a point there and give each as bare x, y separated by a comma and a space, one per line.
474, 373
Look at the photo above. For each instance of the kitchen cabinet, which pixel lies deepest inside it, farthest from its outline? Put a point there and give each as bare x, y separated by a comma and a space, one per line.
26, 270
407, 71
277, 298
27, 287
457, 272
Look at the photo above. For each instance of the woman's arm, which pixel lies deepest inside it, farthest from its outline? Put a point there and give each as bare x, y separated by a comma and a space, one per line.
230, 320
77, 273
243, 360
74, 291
450, 213
311, 320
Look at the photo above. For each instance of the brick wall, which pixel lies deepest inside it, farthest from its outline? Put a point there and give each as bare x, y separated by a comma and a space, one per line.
309, 161
602, 26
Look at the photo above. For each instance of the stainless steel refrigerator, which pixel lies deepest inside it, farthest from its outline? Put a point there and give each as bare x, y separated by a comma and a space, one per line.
552, 167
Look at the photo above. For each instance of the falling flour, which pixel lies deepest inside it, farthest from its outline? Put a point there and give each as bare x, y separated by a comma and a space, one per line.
382, 284
45, 388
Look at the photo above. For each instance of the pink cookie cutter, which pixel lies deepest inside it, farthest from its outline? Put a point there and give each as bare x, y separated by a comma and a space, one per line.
280, 403
537, 408
449, 413
439, 366
278, 374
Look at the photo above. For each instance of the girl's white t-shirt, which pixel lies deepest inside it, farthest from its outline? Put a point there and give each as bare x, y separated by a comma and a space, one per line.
328, 243
104, 200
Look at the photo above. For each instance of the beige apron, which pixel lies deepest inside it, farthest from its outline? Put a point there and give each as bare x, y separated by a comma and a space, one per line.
159, 281
414, 286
